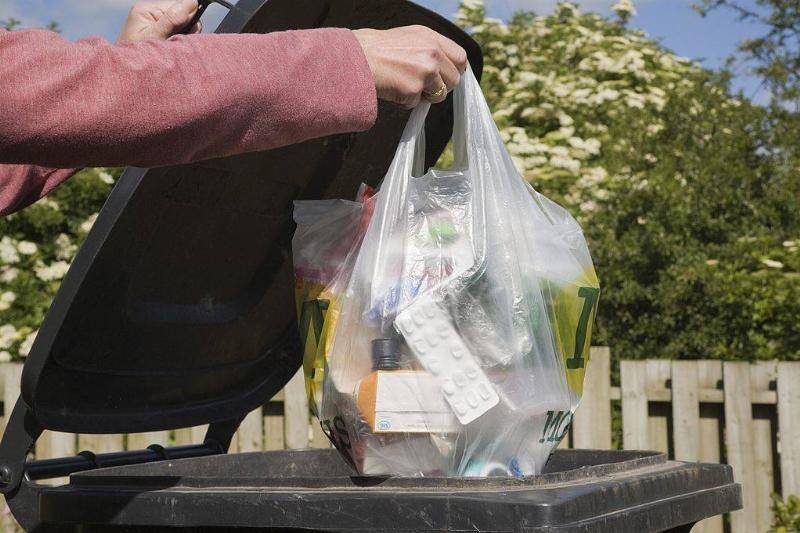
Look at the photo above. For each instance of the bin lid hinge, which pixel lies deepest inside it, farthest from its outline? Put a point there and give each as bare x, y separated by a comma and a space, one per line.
20, 435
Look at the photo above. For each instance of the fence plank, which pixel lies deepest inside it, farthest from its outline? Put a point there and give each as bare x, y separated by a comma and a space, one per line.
789, 426
658, 373
295, 409
233, 447
762, 375
182, 436
709, 378
12, 374
739, 441
140, 441
199, 434
273, 426
251, 432
685, 410
55, 444
100, 443
318, 437
633, 378
592, 425
194, 435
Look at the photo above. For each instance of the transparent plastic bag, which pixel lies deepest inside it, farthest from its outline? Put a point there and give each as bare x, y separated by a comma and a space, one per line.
462, 318
327, 234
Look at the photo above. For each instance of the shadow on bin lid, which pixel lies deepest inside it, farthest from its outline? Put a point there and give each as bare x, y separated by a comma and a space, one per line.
179, 308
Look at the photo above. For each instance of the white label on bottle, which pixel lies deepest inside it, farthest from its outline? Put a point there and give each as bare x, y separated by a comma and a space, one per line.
411, 402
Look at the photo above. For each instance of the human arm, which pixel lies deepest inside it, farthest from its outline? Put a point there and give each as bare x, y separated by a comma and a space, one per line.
155, 103
177, 107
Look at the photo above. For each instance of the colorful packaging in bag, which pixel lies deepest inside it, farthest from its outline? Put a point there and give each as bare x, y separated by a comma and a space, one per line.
446, 320
328, 233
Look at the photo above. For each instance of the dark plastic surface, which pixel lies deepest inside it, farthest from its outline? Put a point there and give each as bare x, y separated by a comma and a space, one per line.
582, 490
179, 309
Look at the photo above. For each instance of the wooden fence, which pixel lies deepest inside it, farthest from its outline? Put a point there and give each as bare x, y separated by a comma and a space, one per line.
747, 415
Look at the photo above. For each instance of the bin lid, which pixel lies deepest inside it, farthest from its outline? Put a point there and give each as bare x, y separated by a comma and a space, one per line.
179, 308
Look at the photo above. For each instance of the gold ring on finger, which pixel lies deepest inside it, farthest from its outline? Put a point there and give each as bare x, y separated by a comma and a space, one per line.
439, 92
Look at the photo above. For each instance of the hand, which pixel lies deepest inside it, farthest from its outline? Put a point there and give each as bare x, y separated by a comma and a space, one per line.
411, 63
160, 19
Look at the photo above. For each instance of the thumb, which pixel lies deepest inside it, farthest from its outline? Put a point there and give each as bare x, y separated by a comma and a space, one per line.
176, 17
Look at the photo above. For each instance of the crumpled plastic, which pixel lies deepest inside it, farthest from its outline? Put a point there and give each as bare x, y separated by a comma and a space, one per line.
446, 319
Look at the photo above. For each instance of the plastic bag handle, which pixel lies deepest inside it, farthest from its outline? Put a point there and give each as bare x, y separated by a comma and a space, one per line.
414, 132
471, 116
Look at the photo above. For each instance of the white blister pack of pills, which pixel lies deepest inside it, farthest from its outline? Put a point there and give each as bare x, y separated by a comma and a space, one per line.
434, 341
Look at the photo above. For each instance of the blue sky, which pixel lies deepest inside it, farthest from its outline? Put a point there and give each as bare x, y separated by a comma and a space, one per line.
673, 22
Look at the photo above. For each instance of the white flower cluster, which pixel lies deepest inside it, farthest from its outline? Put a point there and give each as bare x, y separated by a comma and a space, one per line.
88, 223
104, 176
8, 336
624, 9
6, 299
8, 251
54, 271
8, 274
27, 343
27, 247
65, 248
47, 203
571, 91
12, 250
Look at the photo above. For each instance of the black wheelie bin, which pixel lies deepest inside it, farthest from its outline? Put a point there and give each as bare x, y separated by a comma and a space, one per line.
178, 311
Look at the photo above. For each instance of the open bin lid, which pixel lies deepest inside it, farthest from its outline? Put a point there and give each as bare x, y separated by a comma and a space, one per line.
179, 308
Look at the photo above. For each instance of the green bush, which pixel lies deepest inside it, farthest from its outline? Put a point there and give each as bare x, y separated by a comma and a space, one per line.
36, 248
786, 514
690, 212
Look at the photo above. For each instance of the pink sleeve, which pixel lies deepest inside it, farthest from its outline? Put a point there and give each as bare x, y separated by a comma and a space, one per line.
155, 103
21, 185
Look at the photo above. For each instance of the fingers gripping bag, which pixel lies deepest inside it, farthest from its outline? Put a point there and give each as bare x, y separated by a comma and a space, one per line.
459, 328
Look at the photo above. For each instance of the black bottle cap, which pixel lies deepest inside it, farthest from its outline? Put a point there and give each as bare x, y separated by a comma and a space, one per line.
385, 354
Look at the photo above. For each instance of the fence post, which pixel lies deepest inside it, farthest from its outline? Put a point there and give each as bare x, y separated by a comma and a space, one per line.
251, 432
592, 426
762, 375
685, 410
789, 426
273, 423
658, 373
739, 439
633, 381
295, 408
